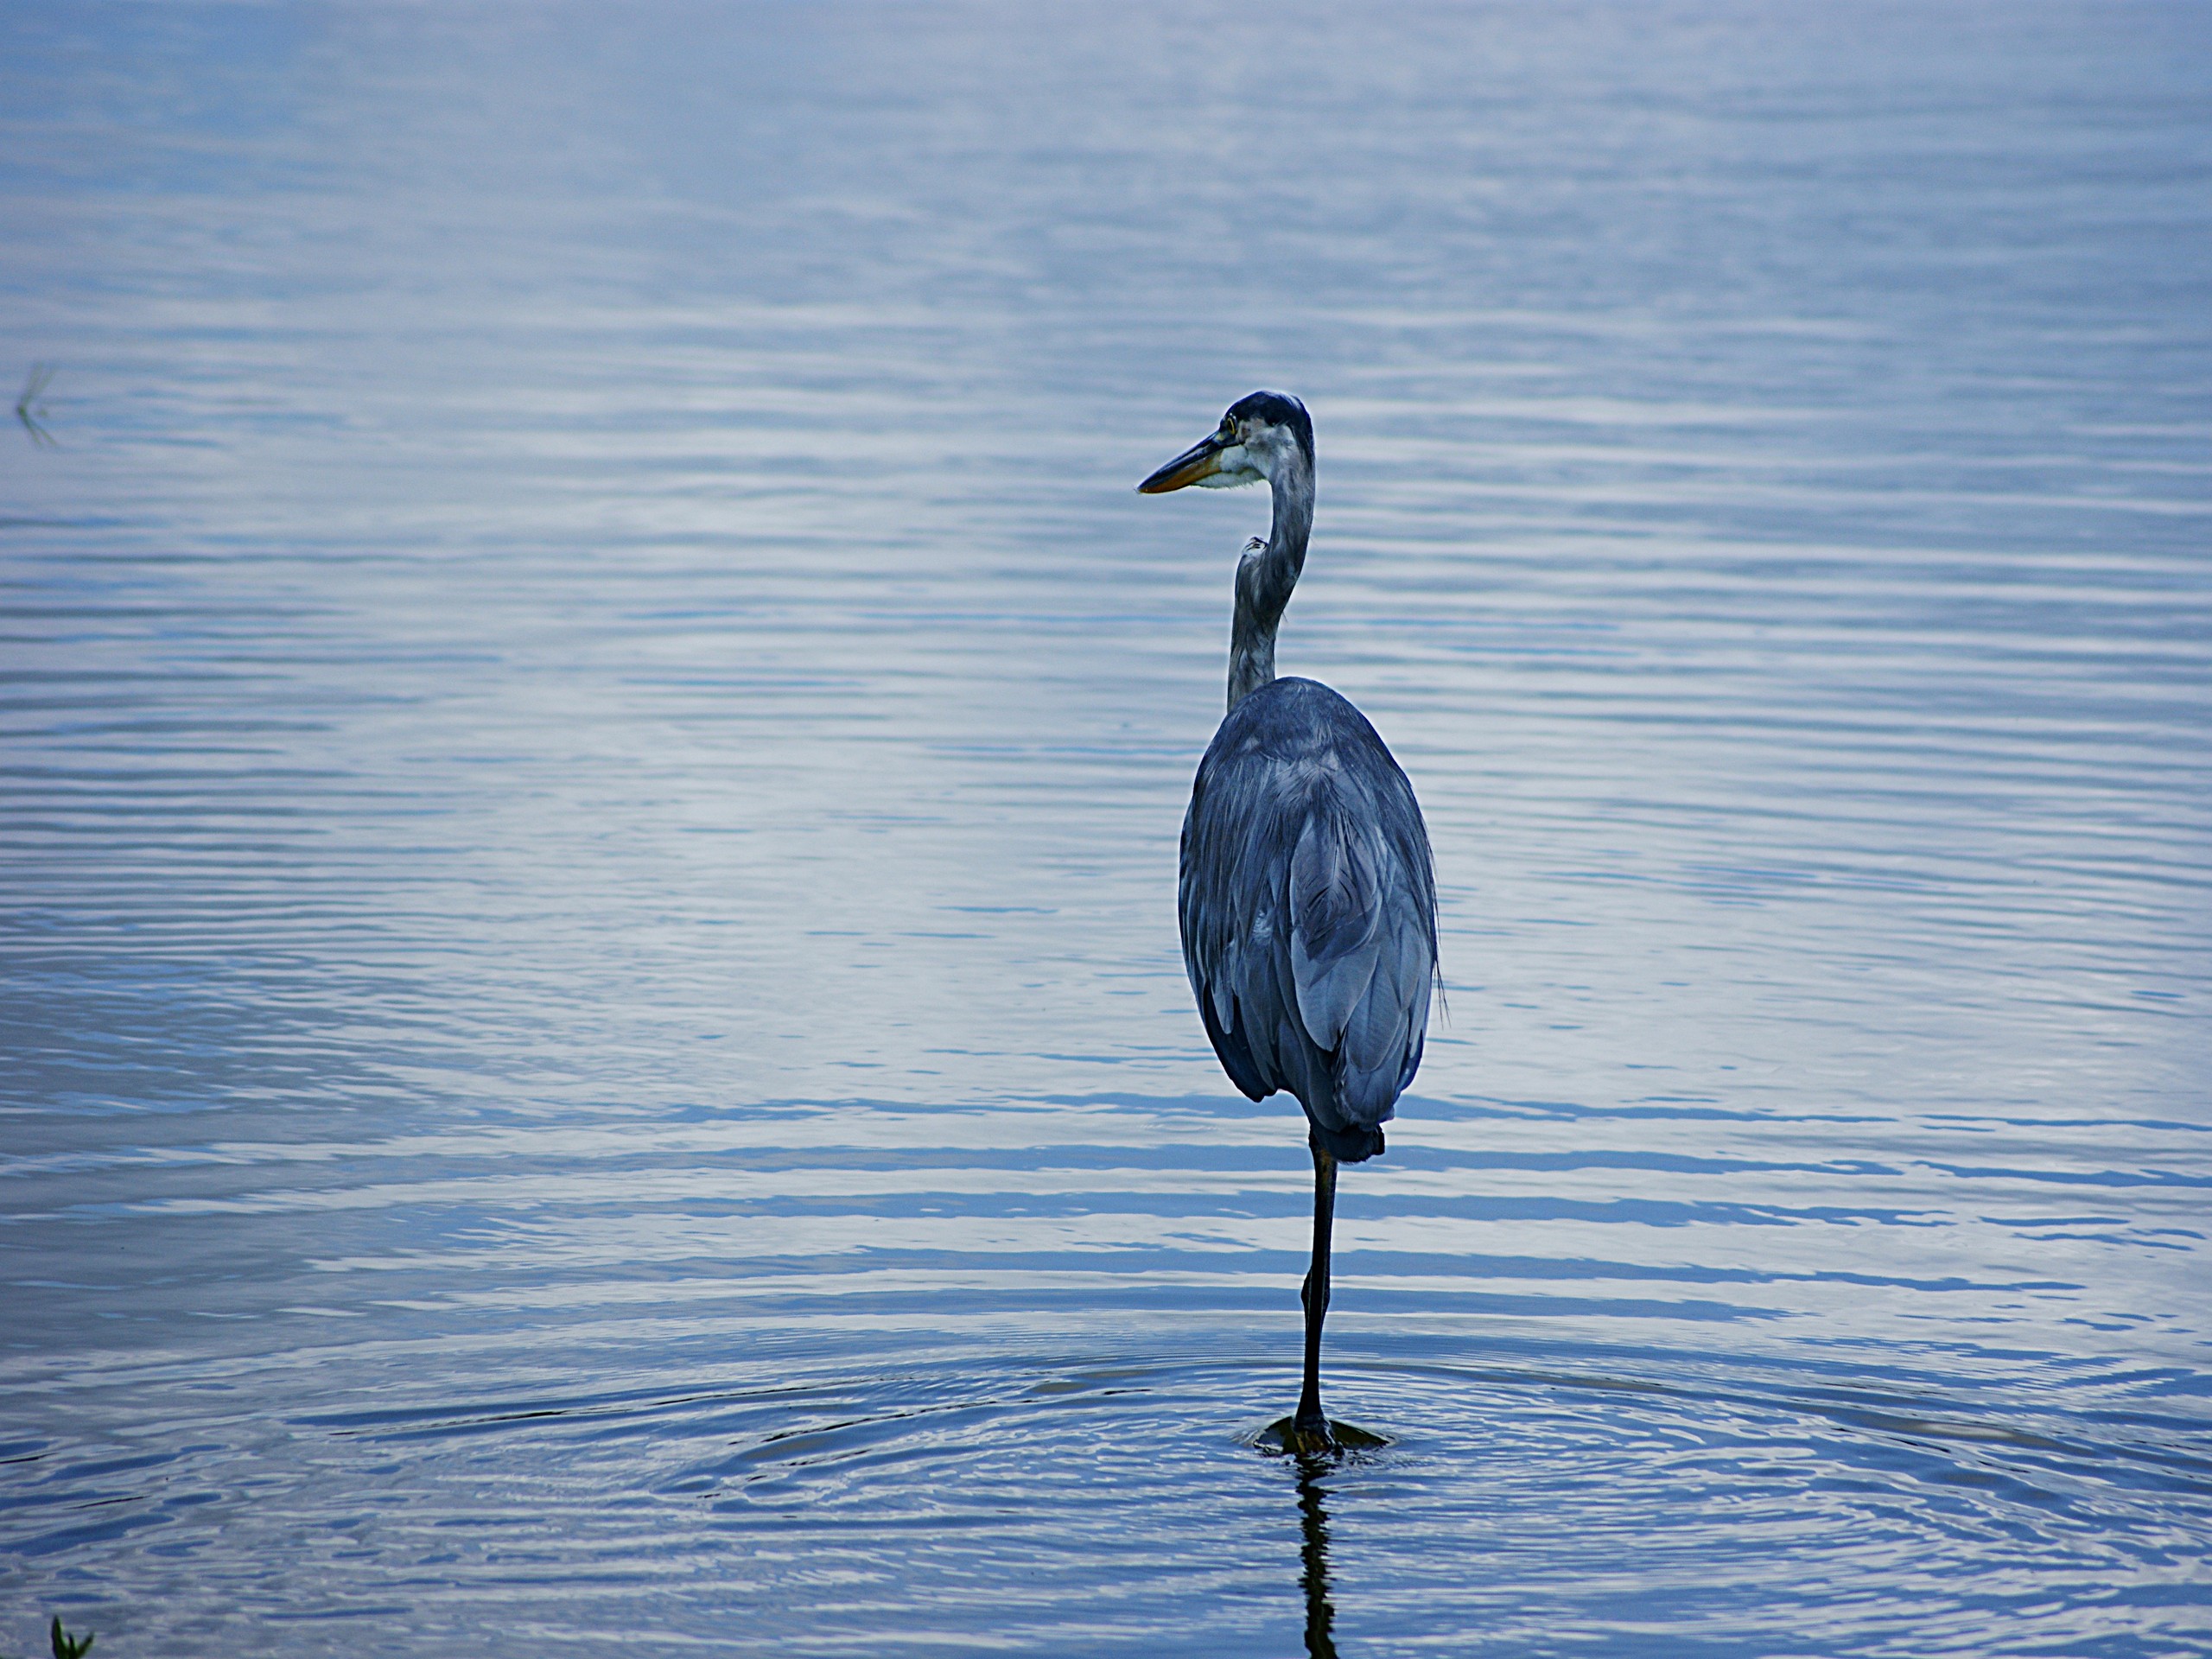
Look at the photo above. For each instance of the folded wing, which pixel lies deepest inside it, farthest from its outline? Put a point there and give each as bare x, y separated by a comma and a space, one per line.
1308, 909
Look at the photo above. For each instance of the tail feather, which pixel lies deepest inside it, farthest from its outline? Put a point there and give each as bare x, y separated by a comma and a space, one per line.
1353, 1145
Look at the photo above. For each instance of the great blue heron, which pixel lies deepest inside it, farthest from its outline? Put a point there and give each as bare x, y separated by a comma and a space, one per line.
1307, 896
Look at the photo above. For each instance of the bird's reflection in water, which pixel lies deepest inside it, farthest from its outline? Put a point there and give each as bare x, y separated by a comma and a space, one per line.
1313, 1558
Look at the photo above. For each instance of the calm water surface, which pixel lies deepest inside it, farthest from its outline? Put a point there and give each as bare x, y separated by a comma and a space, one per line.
593, 735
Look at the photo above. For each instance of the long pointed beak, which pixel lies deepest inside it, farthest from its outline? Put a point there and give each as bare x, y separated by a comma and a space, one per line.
1201, 460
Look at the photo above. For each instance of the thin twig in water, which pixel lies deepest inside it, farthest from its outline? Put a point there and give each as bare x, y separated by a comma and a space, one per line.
66, 1646
29, 410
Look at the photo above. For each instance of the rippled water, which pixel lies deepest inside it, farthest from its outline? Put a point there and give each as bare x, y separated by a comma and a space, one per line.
593, 737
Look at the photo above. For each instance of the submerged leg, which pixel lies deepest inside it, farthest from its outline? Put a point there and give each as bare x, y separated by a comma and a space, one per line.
1310, 1427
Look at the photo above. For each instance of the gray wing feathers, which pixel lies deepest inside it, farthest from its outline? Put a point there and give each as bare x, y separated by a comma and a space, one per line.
1382, 1042
1363, 952
1308, 905
1336, 903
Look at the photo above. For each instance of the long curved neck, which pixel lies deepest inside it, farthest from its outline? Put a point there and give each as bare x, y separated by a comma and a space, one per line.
1265, 578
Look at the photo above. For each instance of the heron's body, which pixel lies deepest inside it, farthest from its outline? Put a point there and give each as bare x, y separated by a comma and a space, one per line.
1308, 911
1306, 897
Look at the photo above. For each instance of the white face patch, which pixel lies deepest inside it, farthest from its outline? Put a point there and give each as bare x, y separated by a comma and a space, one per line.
1236, 467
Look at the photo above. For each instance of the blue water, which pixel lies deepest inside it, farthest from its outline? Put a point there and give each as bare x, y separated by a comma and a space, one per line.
592, 735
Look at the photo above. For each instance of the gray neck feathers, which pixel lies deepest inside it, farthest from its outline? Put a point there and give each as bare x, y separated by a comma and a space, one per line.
1264, 579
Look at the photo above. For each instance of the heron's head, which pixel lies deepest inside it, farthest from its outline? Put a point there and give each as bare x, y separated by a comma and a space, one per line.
1259, 437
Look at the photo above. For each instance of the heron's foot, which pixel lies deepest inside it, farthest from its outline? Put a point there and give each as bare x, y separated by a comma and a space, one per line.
1317, 1436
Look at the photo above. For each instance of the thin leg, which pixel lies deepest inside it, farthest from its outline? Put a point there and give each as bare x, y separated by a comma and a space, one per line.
1311, 1425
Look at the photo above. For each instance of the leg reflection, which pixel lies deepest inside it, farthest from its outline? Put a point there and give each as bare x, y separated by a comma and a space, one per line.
1313, 1558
